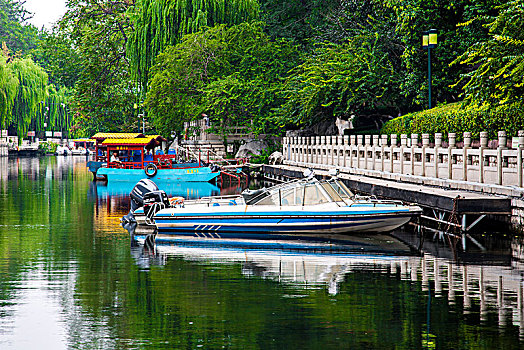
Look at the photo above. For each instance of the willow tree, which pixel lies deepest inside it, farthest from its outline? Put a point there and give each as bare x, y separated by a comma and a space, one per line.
8, 88
53, 113
31, 93
160, 23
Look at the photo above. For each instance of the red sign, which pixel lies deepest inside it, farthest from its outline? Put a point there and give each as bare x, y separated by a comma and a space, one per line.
31, 133
57, 134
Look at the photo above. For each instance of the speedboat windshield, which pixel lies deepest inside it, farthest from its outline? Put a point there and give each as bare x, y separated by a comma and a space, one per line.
311, 192
341, 189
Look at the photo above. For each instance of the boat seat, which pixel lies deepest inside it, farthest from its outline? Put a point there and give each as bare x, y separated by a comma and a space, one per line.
216, 204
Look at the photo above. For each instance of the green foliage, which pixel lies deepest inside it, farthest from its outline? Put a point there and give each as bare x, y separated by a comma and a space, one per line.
296, 20
19, 37
47, 147
233, 74
263, 158
59, 57
9, 84
32, 90
27, 102
340, 80
104, 92
459, 118
160, 23
497, 75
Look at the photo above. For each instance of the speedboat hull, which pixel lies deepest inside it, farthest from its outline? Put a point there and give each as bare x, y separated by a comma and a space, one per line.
248, 221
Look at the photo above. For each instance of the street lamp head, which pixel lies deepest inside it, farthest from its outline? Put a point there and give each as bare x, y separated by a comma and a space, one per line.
432, 38
425, 39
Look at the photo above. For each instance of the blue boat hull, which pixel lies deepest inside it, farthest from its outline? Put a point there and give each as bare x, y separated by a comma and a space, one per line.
243, 226
201, 174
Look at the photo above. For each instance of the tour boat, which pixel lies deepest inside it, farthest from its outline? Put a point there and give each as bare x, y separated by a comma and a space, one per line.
132, 157
305, 206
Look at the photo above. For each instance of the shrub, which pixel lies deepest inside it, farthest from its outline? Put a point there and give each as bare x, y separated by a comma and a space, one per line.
47, 147
459, 119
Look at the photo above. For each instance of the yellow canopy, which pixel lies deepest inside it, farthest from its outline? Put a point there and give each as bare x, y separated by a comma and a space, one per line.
116, 135
139, 141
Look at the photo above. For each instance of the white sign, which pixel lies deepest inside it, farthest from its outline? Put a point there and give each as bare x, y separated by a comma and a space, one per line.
4, 133
48, 134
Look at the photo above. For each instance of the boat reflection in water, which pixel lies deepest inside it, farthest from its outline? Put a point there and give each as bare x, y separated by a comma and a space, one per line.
483, 290
308, 261
188, 190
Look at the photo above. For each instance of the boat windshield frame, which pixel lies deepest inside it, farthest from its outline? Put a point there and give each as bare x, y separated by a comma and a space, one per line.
326, 192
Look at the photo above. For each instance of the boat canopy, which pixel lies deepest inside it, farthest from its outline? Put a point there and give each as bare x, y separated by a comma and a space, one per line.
116, 135
302, 192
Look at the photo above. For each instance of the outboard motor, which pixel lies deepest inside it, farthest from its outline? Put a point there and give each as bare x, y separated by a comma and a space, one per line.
137, 194
139, 191
155, 201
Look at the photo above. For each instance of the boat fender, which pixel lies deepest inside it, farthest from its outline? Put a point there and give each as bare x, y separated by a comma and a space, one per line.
151, 170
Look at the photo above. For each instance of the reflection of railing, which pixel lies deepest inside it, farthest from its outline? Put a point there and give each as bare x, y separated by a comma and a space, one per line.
496, 289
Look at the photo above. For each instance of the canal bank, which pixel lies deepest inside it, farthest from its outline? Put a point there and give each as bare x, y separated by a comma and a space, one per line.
461, 208
482, 178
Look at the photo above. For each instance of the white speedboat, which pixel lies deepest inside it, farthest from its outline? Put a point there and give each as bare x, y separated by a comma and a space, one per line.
306, 206
63, 151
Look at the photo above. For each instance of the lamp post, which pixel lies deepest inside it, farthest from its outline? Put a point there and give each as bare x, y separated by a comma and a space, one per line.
429, 41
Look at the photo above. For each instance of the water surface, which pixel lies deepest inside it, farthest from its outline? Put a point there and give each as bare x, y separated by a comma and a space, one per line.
70, 278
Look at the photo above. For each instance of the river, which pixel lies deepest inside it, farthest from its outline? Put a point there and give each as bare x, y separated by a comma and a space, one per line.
70, 278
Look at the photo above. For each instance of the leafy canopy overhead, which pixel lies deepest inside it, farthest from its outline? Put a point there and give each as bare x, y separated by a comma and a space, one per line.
232, 74
498, 61
160, 23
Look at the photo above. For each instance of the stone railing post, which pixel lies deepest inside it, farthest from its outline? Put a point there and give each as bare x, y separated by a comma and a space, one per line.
502, 146
367, 145
375, 145
345, 150
519, 157
483, 146
340, 149
467, 145
452, 138
414, 144
318, 150
329, 150
323, 152
425, 145
310, 148
360, 145
383, 144
403, 144
438, 144
393, 145
353, 143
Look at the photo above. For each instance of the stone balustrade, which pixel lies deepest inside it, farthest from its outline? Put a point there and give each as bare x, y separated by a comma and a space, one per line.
471, 160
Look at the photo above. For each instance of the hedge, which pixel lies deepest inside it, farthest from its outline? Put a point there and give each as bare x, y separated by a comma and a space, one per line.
459, 119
